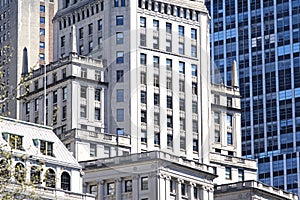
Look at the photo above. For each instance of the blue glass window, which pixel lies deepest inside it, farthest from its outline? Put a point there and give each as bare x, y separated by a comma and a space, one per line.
42, 8
42, 20
42, 45
120, 21
181, 67
180, 30
194, 70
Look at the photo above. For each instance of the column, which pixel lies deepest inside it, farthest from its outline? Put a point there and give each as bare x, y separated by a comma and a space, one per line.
135, 187
161, 187
100, 190
203, 193
210, 193
119, 189
178, 192
167, 182
191, 190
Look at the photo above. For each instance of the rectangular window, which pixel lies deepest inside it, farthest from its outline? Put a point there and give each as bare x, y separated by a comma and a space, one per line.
144, 183
194, 88
120, 95
106, 151
156, 80
169, 64
97, 114
143, 78
155, 61
143, 22
128, 185
62, 41
217, 136
142, 39
169, 83
65, 93
143, 97
169, 121
90, 26
228, 173
83, 92
120, 38
144, 116
183, 189
181, 30
120, 115
194, 51
229, 120
83, 73
42, 31
156, 99
120, 131
156, 25
42, 56
181, 67
195, 145
181, 48
42, 8
120, 74
122, 3
42, 20
81, 33
42, 45
194, 70
169, 45
169, 102
90, 46
120, 57
217, 118
156, 119
116, 4
119, 20
229, 138
46, 148
110, 190
97, 94
241, 175
54, 97
143, 136
83, 111
64, 112
182, 104
93, 150
157, 139
143, 59
181, 85
100, 25
168, 27
14, 141
97, 75
36, 104
195, 126
193, 34
155, 43
170, 140
182, 123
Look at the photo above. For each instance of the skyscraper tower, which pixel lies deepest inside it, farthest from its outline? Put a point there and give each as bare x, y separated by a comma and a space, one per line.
24, 24
263, 38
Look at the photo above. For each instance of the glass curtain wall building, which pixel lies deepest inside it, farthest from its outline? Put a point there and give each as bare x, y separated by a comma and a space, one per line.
263, 37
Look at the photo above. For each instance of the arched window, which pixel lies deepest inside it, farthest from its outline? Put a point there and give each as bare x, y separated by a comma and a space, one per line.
65, 181
5, 169
20, 173
35, 175
50, 178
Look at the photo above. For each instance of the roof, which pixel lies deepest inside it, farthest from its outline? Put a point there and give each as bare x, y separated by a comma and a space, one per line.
31, 132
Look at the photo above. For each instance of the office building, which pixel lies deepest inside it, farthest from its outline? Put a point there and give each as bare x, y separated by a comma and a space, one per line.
23, 24
35, 162
263, 38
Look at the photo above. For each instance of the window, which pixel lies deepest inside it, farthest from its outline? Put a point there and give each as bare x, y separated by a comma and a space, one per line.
83, 73
83, 92
116, 4
240, 175
194, 51
143, 136
106, 151
65, 93
168, 27
181, 67
182, 104
81, 33
142, 39
119, 20
169, 45
120, 131
110, 190
54, 97
183, 189
123, 3
181, 48
97, 114
42, 20
155, 61
195, 193
81, 49
120, 95
144, 116
229, 138
156, 25
194, 70
229, 120
228, 173
143, 97
20, 173
42, 31
120, 38
14, 141
90, 46
195, 145
195, 126
181, 30
128, 185
120, 115
64, 112
100, 25
169, 102
170, 140
143, 78
194, 88
42, 8
120, 74
35, 175
36, 104
156, 119
83, 111
42, 45
217, 136
169, 121
143, 59
156, 80
97, 75
156, 99
194, 34
144, 183
216, 99
90, 26
97, 94
217, 118
169, 64
143, 22
93, 150
155, 43
182, 123
46, 148
169, 83
42, 56
120, 57
181, 85
65, 181
229, 102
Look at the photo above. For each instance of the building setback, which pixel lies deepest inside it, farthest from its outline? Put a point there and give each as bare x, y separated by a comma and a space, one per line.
263, 38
